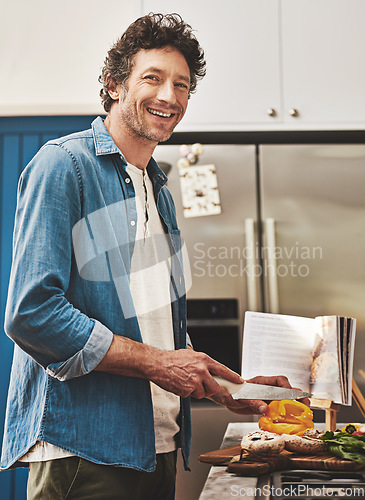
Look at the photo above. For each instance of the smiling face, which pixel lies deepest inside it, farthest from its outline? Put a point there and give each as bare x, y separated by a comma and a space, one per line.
157, 94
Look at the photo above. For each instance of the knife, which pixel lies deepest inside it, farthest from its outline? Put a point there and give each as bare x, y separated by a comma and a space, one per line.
260, 391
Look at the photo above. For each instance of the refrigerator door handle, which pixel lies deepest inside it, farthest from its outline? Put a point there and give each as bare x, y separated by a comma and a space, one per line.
252, 285
271, 268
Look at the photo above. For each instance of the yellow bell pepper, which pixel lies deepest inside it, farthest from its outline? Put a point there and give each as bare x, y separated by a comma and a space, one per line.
287, 417
351, 428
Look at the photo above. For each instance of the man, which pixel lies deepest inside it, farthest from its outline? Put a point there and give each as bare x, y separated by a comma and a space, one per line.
100, 385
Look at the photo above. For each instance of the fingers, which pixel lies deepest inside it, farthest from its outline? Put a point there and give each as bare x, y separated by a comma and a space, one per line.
222, 397
259, 406
239, 406
205, 385
223, 371
279, 380
248, 406
255, 405
208, 386
305, 401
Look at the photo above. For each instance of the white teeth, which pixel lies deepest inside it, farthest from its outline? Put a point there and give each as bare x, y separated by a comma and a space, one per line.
158, 113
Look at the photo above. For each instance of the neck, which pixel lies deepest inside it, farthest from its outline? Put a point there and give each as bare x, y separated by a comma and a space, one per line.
136, 150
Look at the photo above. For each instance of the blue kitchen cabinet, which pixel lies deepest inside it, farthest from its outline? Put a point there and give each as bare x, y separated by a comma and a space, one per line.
20, 139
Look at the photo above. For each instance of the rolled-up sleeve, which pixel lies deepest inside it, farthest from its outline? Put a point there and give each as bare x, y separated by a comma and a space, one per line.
87, 359
39, 317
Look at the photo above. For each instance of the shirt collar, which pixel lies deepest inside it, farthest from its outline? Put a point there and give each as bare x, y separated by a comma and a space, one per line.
104, 145
155, 173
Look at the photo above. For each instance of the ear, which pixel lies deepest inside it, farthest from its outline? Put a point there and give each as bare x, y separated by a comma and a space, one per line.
113, 89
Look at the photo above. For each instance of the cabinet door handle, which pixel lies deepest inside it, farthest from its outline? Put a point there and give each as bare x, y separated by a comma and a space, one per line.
271, 112
293, 112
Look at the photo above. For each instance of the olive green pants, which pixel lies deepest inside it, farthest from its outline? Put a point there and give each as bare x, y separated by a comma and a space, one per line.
74, 478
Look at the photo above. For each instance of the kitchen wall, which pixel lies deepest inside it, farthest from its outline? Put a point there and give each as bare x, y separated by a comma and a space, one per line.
51, 53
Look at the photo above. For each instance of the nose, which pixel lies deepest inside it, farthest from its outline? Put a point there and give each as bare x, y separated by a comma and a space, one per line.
166, 92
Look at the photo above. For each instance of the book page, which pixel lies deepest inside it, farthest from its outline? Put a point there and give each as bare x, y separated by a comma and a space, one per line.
342, 352
276, 344
350, 348
327, 364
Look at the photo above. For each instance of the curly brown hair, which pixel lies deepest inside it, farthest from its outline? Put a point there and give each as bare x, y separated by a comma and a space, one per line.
153, 31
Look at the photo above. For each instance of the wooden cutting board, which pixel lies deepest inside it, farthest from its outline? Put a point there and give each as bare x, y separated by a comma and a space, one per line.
220, 457
285, 460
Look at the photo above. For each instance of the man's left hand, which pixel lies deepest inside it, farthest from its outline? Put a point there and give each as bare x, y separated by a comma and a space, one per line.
251, 406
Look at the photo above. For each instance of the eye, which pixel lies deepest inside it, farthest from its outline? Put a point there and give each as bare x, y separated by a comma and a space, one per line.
182, 86
151, 77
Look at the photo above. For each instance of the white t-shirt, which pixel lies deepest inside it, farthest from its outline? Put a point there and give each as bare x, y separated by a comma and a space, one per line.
150, 289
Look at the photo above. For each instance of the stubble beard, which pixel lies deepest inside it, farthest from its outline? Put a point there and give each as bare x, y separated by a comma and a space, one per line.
139, 128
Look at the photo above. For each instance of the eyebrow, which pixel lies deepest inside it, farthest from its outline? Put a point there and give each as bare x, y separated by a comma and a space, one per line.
158, 70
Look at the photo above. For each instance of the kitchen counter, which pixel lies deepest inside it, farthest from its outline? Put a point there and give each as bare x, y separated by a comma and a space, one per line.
222, 485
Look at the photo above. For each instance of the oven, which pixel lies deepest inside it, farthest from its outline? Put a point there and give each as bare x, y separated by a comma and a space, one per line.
214, 328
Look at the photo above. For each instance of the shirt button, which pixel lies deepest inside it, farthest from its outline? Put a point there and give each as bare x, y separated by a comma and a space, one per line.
127, 180
133, 223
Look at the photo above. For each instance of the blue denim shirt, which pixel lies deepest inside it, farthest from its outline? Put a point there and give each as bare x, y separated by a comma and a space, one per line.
68, 294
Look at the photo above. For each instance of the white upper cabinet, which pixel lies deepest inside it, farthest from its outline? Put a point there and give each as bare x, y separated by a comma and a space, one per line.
275, 64
323, 46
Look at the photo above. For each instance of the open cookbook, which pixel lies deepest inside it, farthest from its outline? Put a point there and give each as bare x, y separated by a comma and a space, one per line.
316, 354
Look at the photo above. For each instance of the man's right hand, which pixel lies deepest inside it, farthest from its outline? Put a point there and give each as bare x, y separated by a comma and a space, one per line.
186, 372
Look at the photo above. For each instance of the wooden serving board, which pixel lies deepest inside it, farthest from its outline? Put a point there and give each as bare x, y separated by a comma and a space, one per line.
285, 460
220, 457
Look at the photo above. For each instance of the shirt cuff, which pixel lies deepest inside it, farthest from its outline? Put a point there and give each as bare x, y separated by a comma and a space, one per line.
84, 361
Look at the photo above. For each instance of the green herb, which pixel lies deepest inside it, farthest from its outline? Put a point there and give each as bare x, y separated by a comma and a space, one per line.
346, 446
